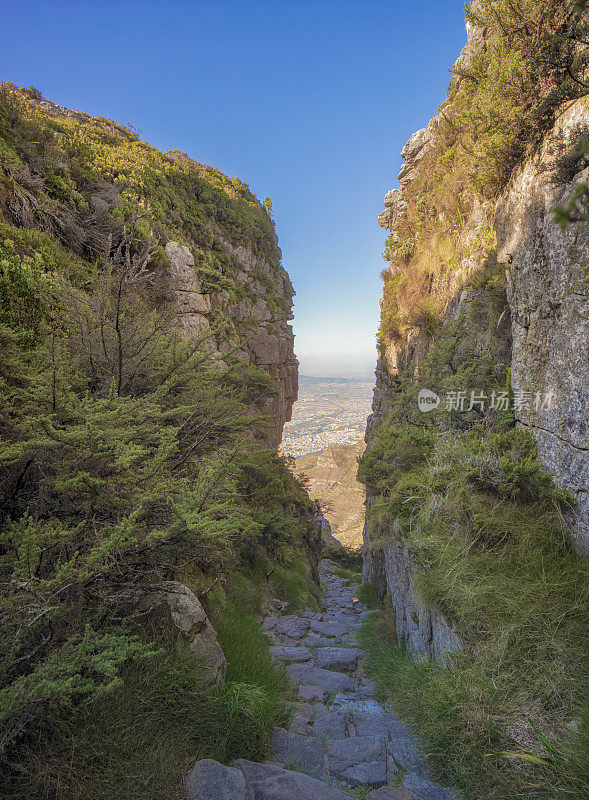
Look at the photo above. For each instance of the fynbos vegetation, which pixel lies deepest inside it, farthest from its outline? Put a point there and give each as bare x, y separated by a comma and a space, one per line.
484, 534
128, 459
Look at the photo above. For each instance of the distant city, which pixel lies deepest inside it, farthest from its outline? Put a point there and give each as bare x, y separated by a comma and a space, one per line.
328, 411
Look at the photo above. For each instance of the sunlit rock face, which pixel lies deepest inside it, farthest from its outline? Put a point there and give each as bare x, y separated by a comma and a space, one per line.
542, 334
260, 321
549, 302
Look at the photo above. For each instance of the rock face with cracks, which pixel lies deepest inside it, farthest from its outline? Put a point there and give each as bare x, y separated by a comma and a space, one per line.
544, 329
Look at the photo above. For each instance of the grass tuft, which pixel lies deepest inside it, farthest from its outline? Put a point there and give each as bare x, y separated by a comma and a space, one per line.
140, 743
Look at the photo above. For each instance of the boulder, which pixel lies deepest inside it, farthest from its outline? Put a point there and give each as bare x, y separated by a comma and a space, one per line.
384, 218
188, 615
417, 143
209, 780
391, 198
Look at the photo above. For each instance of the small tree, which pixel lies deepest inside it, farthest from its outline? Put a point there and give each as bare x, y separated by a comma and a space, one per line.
268, 205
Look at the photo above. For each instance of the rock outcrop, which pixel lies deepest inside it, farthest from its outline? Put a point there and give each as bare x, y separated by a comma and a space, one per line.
541, 333
424, 631
260, 320
549, 303
189, 617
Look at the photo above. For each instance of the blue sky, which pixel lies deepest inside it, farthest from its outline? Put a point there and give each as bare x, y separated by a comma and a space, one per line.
307, 101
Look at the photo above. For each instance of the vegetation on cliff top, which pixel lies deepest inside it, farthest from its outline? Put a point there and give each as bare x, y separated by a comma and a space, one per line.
81, 177
127, 458
534, 59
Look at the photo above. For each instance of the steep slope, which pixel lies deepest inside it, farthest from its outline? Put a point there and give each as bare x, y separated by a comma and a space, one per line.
331, 475
476, 460
146, 520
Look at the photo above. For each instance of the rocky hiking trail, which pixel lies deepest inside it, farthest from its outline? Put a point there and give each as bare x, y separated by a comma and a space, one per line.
341, 743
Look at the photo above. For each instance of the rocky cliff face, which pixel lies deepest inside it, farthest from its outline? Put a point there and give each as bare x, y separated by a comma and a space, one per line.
549, 304
262, 332
207, 243
541, 328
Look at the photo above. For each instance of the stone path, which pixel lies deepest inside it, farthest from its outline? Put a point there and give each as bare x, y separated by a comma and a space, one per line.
341, 743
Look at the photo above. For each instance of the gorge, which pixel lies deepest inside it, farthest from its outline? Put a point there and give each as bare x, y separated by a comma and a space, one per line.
169, 626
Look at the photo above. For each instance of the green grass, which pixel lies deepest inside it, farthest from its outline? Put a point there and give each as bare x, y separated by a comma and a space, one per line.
367, 595
348, 574
140, 739
491, 551
469, 715
294, 585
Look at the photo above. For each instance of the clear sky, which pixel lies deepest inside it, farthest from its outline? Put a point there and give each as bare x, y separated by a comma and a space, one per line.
307, 101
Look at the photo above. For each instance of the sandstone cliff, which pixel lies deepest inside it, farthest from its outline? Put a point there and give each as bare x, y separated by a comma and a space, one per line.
212, 247
477, 262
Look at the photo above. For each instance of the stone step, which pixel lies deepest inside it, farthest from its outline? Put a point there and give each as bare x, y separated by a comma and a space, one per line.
331, 629
406, 756
330, 681
358, 760
391, 793
209, 779
355, 706
383, 725
330, 724
310, 693
315, 640
292, 626
426, 789
291, 654
301, 720
355, 742
344, 658
306, 752
269, 782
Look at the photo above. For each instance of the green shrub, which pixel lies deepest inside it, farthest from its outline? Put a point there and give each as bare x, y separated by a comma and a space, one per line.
348, 574
349, 557
129, 742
